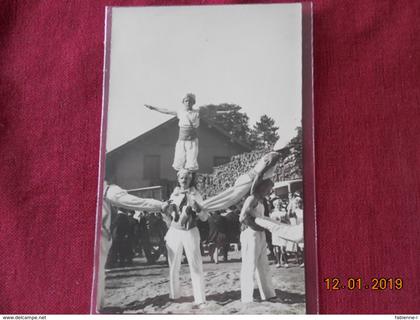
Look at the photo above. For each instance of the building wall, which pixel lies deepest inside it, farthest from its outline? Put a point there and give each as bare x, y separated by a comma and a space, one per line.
125, 167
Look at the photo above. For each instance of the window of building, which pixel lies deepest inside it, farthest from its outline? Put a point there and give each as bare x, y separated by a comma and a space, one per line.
151, 169
218, 161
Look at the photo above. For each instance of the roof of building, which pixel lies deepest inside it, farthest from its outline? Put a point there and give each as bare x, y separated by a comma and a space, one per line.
171, 121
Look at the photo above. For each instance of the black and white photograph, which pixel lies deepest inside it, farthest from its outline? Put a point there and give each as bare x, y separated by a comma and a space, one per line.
202, 210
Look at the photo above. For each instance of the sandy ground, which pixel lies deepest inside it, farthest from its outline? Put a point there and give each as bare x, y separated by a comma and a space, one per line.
144, 289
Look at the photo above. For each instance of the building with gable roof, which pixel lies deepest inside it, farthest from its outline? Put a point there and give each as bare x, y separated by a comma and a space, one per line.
146, 160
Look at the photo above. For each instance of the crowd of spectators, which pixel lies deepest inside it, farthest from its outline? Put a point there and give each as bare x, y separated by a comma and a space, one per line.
224, 176
288, 211
135, 234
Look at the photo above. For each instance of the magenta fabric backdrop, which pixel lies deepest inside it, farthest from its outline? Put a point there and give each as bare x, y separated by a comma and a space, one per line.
367, 118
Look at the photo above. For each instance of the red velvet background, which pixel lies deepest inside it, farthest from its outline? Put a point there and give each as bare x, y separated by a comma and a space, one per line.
367, 117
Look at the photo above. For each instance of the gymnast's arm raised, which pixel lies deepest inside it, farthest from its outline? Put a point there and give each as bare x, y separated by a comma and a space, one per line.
161, 110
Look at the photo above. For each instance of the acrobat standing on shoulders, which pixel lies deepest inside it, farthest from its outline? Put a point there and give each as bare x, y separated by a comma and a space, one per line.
186, 149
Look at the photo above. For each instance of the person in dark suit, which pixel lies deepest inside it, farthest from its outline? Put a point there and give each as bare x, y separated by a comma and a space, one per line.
218, 238
233, 226
268, 237
122, 238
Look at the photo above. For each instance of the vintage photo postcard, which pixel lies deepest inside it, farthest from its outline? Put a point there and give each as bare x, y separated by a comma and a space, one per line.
205, 199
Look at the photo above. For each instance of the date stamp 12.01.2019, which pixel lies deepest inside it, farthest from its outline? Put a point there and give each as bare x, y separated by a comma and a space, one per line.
358, 283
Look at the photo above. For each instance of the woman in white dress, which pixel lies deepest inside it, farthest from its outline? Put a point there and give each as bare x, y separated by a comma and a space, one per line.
287, 236
279, 244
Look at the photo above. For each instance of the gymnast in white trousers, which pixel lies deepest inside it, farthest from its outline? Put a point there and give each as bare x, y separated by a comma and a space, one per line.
183, 234
186, 148
115, 196
254, 246
244, 184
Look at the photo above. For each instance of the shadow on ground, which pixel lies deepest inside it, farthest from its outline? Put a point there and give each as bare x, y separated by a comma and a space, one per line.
232, 260
220, 298
283, 297
158, 301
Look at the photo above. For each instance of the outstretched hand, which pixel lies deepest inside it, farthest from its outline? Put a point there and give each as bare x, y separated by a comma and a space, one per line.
149, 106
165, 207
197, 207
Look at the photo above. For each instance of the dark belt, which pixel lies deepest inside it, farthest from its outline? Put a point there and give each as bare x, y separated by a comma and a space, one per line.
187, 133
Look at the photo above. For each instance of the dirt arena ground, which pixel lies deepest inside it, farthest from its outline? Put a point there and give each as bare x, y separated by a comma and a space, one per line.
144, 289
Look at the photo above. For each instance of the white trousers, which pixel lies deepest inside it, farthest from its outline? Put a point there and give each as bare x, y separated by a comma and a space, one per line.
186, 153
254, 260
189, 240
105, 245
230, 196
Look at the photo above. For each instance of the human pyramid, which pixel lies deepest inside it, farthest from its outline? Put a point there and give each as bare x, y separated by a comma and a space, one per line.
186, 205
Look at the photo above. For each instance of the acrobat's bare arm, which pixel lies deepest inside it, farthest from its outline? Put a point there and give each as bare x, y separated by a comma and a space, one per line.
246, 216
161, 110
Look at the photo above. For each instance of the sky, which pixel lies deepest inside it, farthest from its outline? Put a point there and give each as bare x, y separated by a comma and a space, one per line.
249, 55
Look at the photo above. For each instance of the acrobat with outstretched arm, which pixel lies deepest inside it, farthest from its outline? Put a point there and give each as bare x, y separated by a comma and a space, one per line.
186, 149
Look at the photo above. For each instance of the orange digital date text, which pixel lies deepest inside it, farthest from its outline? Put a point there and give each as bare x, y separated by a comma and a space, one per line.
357, 283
